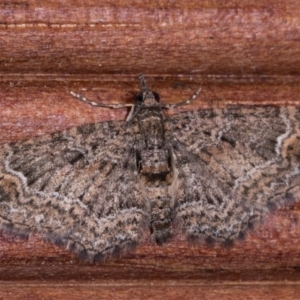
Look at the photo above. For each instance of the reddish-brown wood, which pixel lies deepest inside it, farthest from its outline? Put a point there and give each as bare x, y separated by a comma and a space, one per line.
244, 53
237, 38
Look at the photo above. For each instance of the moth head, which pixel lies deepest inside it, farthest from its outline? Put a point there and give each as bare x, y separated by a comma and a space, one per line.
146, 96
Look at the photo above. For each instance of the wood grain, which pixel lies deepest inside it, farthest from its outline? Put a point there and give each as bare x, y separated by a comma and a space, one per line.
237, 38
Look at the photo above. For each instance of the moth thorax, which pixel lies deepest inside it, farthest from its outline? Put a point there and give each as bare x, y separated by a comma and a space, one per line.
155, 162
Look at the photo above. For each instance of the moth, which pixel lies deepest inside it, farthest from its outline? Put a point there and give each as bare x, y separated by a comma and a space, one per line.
101, 189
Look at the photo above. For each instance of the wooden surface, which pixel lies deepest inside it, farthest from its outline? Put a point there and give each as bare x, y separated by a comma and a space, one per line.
244, 52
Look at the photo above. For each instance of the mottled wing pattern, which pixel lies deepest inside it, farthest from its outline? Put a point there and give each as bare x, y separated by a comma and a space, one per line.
77, 187
235, 165
100, 189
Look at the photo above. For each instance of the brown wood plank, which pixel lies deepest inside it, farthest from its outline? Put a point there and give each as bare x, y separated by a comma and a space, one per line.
141, 290
240, 38
30, 109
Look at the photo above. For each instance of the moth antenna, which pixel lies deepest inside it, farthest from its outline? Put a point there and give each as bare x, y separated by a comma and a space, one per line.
143, 83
